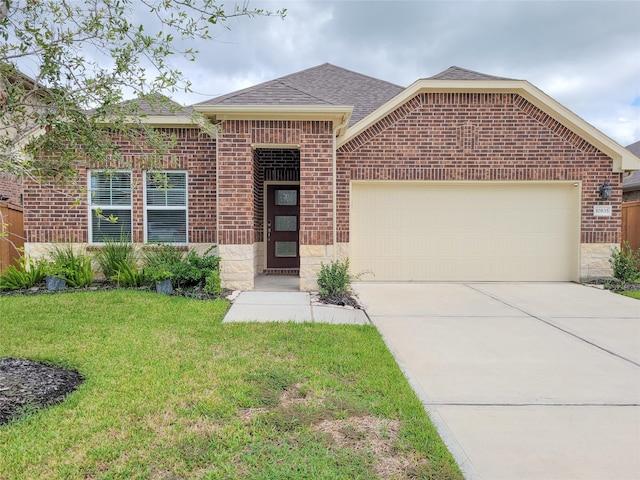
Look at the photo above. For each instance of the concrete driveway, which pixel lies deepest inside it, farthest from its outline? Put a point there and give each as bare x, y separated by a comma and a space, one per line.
523, 381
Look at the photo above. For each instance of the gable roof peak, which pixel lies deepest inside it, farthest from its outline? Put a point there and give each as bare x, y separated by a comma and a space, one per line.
322, 85
458, 73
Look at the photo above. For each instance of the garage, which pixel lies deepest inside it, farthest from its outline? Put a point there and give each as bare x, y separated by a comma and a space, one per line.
465, 231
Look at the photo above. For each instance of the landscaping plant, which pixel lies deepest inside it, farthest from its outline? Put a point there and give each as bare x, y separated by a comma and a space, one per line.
334, 279
128, 275
626, 263
75, 268
26, 274
114, 255
185, 270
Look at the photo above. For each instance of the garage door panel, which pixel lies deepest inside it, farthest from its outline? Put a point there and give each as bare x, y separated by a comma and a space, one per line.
465, 231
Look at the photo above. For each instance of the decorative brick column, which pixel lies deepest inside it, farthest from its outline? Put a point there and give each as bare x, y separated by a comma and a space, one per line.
235, 205
316, 201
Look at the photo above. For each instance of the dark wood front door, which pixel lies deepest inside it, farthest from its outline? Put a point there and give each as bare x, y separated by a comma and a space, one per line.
283, 215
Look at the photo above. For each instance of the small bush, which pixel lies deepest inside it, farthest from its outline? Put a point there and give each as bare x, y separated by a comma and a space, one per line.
74, 268
626, 263
113, 255
26, 275
185, 271
213, 284
334, 279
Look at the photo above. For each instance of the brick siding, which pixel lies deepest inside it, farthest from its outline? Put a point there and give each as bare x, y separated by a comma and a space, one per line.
54, 214
243, 171
480, 137
11, 187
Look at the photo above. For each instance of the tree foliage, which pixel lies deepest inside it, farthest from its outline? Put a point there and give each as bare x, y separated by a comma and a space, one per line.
86, 60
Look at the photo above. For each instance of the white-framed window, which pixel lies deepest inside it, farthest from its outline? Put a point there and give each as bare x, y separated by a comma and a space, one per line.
165, 206
110, 205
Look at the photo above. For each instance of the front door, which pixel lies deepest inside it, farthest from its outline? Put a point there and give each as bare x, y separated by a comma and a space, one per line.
283, 211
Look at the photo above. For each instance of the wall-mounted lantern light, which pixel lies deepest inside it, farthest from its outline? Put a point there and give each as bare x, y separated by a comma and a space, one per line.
605, 190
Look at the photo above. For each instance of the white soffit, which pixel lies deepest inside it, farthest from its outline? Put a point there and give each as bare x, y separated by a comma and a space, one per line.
338, 114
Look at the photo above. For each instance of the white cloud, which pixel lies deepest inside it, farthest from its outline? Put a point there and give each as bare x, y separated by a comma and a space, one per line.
583, 53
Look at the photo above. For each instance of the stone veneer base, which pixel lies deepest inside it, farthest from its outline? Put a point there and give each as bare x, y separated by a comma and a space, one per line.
594, 260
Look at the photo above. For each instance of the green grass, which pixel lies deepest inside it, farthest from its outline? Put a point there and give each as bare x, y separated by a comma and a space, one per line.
632, 294
171, 392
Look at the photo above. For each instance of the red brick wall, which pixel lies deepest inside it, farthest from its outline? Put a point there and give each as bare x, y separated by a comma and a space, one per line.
316, 184
54, 214
498, 137
235, 191
240, 208
10, 186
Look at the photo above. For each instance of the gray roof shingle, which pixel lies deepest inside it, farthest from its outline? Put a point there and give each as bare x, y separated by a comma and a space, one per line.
325, 84
457, 73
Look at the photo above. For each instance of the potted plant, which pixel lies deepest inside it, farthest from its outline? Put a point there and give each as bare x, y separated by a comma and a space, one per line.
161, 276
55, 276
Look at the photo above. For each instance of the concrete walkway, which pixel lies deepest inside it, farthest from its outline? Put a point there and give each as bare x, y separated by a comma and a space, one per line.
523, 381
288, 306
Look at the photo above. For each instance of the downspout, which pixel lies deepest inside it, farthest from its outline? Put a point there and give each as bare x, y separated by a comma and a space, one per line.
336, 129
217, 193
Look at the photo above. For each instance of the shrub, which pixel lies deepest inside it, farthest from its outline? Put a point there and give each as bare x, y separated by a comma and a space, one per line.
113, 255
334, 278
213, 285
626, 263
74, 268
185, 271
26, 275
128, 275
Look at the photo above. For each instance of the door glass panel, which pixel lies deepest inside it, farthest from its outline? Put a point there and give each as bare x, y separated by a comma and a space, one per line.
286, 249
286, 197
286, 223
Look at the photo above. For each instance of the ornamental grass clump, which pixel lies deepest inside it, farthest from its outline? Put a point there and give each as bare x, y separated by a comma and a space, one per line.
73, 267
26, 274
114, 256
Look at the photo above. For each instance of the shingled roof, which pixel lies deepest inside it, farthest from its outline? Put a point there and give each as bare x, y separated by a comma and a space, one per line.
159, 105
325, 84
457, 73
632, 182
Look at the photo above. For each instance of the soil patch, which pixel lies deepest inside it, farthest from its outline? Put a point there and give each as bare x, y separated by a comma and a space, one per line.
27, 385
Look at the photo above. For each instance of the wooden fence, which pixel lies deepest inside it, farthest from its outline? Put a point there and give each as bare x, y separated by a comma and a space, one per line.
11, 234
631, 223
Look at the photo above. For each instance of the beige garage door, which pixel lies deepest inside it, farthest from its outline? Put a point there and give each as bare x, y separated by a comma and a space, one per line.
426, 231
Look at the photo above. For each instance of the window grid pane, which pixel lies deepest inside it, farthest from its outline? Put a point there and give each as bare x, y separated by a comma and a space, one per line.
167, 226
111, 188
102, 228
166, 189
165, 208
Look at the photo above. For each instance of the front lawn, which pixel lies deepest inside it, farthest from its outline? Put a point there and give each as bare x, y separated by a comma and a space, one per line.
632, 294
171, 392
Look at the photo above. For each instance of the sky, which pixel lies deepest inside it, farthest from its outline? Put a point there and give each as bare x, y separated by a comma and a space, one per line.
584, 54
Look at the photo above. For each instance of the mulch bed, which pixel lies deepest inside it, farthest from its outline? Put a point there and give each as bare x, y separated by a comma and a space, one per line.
26, 386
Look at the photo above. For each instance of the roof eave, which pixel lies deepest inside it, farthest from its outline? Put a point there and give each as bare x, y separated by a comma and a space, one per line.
623, 160
338, 114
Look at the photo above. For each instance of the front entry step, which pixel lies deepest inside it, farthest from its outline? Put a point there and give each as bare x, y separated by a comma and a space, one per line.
282, 271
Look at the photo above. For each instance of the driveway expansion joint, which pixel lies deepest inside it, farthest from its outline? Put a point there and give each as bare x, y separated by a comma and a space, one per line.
552, 324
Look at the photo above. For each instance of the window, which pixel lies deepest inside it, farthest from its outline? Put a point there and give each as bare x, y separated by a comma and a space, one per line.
166, 207
110, 200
